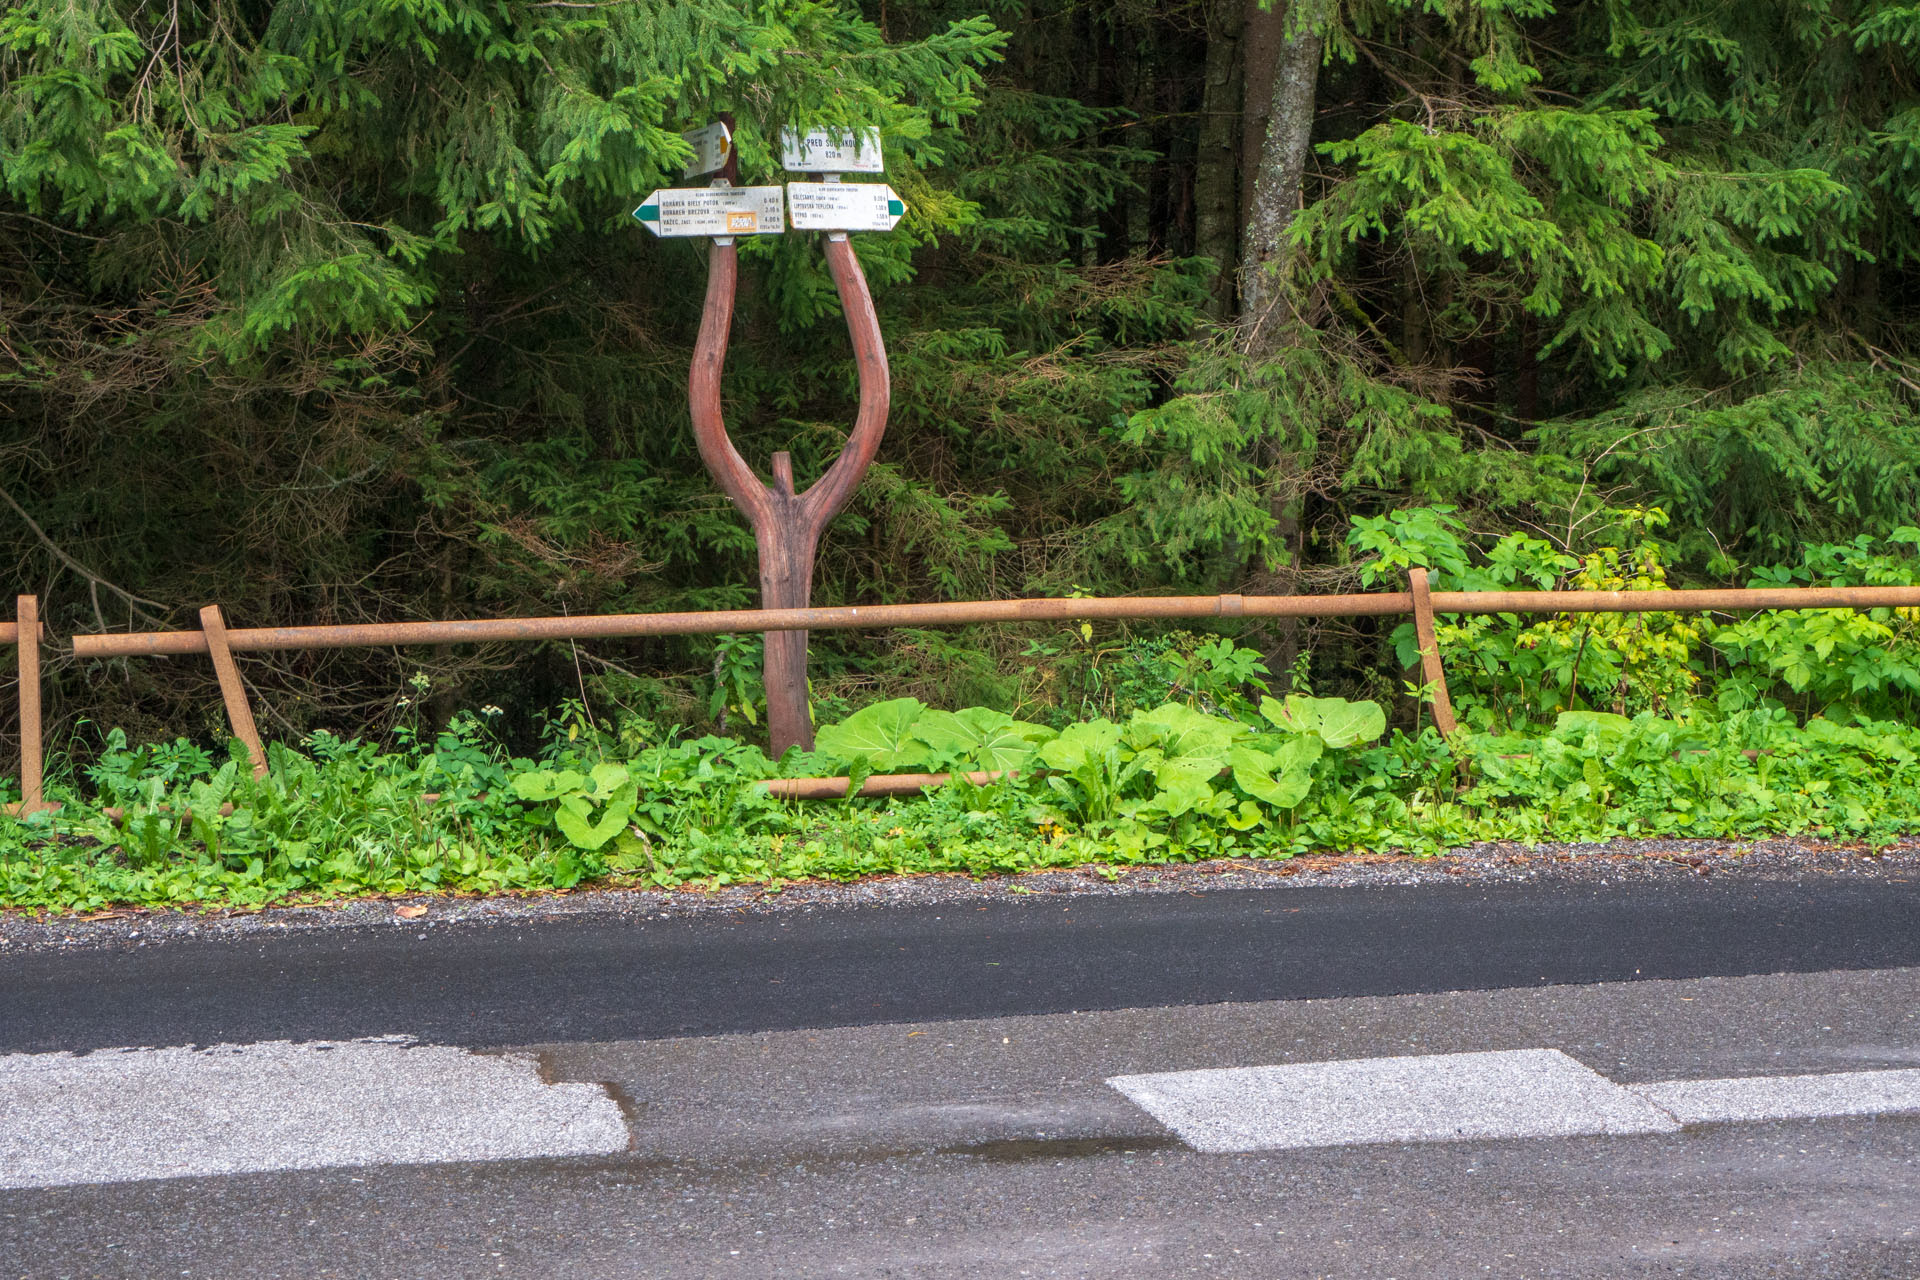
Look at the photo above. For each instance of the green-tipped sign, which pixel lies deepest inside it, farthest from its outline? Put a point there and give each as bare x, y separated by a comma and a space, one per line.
713, 211
843, 206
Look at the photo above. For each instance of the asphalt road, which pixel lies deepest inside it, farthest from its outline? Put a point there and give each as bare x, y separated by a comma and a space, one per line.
924, 1093
641, 979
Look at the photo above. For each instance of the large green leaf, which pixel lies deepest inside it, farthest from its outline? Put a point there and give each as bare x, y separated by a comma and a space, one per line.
980, 738
1080, 743
545, 784
1188, 775
1574, 725
1181, 732
1338, 722
881, 735
608, 784
1179, 792
574, 818
1283, 777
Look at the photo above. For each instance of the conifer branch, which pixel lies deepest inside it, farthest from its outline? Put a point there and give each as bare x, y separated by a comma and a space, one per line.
60, 554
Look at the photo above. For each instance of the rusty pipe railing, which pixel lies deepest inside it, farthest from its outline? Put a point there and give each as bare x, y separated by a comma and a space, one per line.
613, 626
220, 642
966, 612
26, 633
1731, 600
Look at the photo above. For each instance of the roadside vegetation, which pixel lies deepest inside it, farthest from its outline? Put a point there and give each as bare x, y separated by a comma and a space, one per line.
336, 312
1170, 747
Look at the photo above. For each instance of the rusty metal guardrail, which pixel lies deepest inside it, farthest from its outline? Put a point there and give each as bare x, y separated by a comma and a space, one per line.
221, 642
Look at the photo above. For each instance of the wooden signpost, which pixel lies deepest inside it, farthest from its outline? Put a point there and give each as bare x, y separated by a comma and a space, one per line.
786, 524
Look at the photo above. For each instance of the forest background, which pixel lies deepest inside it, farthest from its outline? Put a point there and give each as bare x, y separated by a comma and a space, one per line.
333, 310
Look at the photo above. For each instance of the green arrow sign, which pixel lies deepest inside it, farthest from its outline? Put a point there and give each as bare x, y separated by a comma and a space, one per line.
843, 206
713, 211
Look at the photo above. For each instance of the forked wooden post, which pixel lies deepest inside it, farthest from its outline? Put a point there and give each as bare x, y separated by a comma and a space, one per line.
33, 760
786, 525
232, 691
1431, 672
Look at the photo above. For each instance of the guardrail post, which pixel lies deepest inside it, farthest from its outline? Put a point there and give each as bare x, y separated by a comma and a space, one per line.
26, 623
1431, 672
232, 691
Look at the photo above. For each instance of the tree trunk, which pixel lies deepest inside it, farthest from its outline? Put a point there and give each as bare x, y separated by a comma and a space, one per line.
1278, 177
1216, 195
1263, 24
1284, 80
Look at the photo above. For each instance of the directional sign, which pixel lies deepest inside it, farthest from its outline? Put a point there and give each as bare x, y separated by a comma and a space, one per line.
711, 144
831, 151
843, 206
713, 211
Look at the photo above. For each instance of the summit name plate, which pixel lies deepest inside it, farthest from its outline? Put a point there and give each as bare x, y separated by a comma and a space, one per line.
831, 151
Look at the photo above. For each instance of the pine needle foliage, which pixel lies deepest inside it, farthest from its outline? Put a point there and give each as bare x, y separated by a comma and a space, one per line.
333, 310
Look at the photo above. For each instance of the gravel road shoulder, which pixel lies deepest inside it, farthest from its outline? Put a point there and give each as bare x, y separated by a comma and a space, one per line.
1611, 863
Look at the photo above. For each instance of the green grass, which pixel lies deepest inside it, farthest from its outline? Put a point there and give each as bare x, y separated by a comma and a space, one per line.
344, 819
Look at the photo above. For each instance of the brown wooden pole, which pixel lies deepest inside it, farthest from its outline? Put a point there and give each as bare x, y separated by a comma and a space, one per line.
787, 543
32, 746
1431, 671
232, 690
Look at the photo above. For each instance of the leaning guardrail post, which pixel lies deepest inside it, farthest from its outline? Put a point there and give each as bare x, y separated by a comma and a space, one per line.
26, 625
232, 691
1431, 672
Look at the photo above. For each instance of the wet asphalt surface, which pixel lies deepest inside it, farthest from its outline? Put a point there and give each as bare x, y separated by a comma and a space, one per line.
908, 1081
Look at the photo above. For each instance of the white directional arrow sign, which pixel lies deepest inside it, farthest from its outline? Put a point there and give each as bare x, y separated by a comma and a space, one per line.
711, 144
713, 211
843, 206
831, 151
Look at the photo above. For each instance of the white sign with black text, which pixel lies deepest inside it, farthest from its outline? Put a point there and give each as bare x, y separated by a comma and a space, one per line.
711, 144
843, 206
713, 211
831, 151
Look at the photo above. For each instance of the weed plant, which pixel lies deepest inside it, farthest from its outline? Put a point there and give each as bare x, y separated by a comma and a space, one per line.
1168, 748
1211, 776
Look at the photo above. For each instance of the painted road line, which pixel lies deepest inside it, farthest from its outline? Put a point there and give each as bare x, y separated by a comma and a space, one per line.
126, 1115
1521, 1093
1842, 1093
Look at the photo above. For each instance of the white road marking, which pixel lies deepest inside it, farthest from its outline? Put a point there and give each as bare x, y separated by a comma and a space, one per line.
1525, 1093
124, 1115
1521, 1093
1843, 1093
